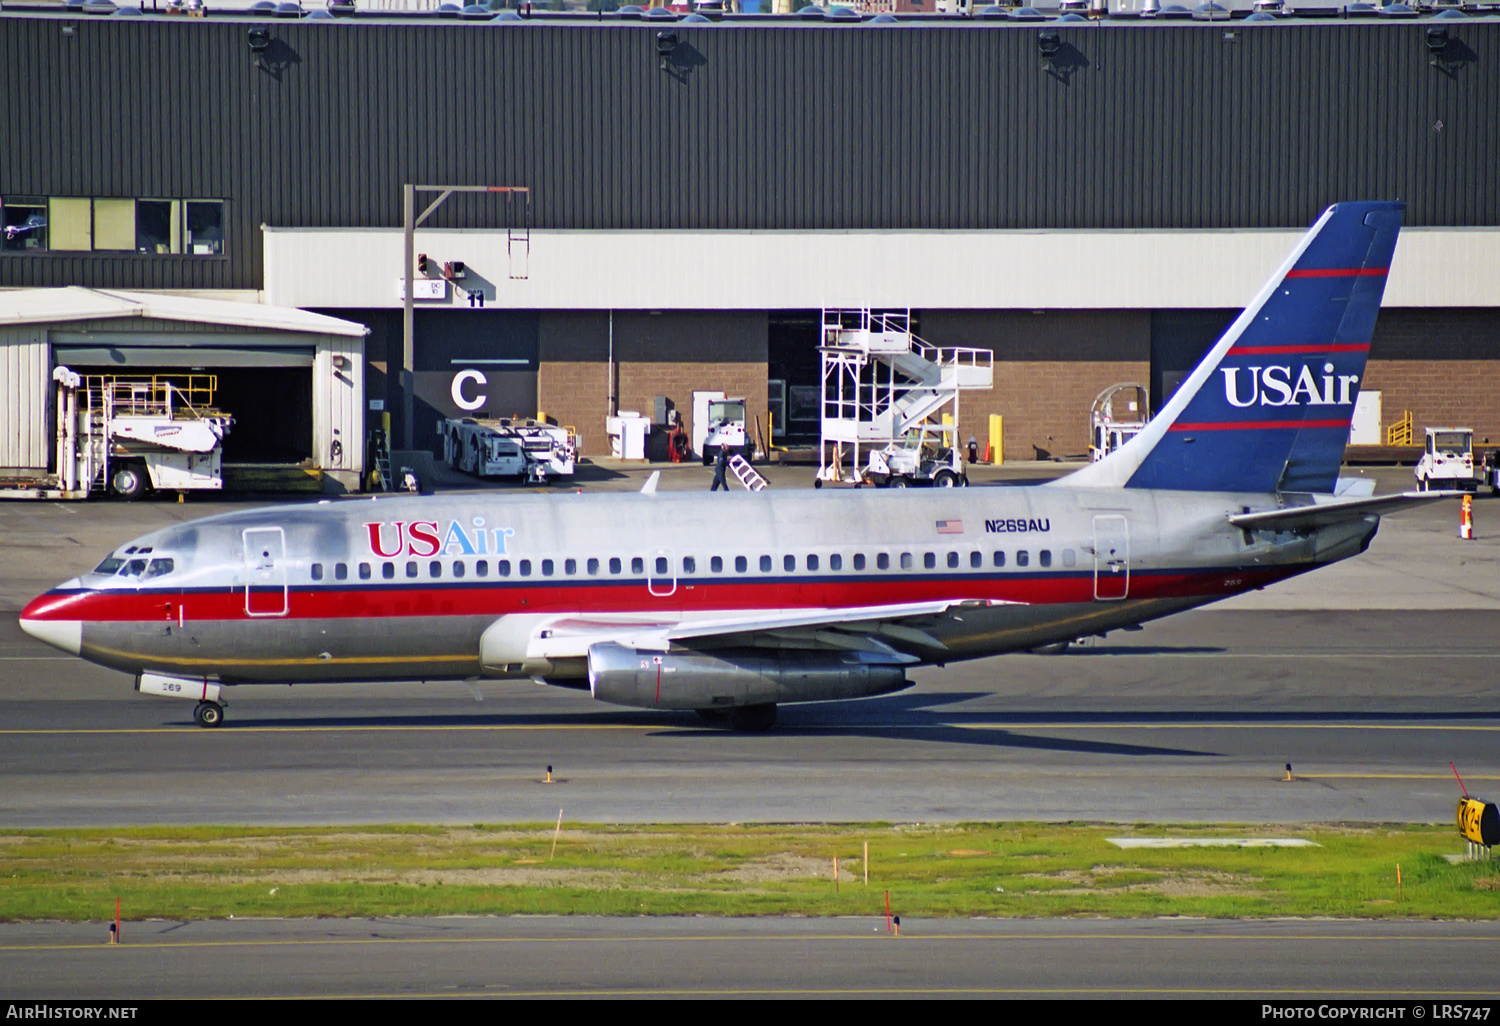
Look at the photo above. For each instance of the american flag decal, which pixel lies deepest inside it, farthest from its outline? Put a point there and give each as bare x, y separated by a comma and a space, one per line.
950, 527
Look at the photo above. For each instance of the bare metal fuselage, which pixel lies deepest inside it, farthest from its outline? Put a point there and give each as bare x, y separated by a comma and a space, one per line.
461, 587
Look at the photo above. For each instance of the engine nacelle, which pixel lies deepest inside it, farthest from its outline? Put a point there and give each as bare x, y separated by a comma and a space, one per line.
723, 680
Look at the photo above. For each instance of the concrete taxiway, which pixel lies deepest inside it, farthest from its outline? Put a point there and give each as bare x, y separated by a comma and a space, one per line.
700, 957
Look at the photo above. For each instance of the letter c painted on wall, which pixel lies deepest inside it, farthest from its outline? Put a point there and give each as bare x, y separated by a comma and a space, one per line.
458, 389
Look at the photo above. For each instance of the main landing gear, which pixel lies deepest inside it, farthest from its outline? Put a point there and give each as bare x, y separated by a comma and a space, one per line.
208, 714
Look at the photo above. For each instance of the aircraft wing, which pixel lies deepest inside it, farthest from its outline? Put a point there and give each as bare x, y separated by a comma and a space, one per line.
861, 628
1335, 511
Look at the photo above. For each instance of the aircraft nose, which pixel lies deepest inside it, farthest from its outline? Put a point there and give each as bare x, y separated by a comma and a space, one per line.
46, 619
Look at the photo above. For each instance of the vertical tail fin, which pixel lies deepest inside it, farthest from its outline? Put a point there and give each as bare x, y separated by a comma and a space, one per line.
1268, 408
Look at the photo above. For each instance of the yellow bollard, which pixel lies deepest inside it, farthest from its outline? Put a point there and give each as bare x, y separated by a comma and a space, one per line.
1466, 519
997, 439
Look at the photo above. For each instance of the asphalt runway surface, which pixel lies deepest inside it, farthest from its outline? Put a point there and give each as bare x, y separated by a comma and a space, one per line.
699, 957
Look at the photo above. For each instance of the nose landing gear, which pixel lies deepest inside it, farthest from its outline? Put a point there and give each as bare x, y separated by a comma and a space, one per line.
208, 714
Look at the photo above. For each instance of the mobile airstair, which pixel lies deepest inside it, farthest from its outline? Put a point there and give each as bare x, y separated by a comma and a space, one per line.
882, 384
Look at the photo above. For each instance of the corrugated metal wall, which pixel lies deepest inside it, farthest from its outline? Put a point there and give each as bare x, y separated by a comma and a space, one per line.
775, 127
25, 391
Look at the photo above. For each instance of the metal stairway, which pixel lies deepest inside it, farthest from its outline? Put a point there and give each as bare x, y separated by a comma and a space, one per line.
880, 381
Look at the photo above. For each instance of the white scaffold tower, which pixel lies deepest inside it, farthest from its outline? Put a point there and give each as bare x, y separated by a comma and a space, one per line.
882, 383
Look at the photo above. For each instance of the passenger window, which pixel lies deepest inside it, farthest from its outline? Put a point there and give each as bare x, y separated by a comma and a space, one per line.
976, 559
1044, 557
906, 561
593, 567
1022, 558
765, 564
789, 563
411, 568
689, 564
999, 559
953, 560
547, 567
929, 560
317, 571
435, 569
341, 571
570, 567
835, 562
458, 568
388, 571
364, 571
524, 565
637, 565
812, 562
482, 568
614, 564
883, 561
159, 567
859, 561
741, 564
1070, 558
502, 567
716, 564
661, 565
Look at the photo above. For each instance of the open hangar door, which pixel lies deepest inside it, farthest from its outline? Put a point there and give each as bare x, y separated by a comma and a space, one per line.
269, 392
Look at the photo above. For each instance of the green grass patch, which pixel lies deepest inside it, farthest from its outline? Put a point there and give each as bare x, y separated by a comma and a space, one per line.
969, 869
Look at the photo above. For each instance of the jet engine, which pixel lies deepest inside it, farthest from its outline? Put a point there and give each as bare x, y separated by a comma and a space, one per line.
734, 678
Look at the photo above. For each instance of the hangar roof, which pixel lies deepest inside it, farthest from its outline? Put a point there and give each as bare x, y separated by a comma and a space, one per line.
74, 303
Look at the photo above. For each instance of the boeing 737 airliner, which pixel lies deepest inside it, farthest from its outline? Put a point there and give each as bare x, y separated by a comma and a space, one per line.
800, 596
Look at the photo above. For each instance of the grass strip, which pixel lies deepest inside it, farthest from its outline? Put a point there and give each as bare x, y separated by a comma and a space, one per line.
968, 869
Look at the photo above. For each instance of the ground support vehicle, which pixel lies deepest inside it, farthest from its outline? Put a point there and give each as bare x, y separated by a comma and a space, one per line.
917, 460
726, 426
127, 434
508, 447
1447, 461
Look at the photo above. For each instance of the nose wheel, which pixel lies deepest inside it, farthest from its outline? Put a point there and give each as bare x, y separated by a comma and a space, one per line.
208, 714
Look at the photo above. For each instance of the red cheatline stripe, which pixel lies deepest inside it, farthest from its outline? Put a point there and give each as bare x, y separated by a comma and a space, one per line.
1246, 425
1347, 347
1338, 272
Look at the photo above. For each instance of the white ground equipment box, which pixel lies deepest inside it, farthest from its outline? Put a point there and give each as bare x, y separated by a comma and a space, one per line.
1448, 460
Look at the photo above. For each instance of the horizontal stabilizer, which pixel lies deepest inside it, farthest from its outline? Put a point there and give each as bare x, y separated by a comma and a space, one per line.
1336, 511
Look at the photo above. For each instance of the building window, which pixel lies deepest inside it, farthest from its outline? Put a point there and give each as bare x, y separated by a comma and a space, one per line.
114, 225
25, 225
158, 226
205, 227
70, 222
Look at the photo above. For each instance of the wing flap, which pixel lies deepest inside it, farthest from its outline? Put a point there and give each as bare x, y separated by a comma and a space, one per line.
571, 637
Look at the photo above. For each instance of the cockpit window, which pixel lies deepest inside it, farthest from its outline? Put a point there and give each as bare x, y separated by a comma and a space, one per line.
157, 568
134, 568
109, 566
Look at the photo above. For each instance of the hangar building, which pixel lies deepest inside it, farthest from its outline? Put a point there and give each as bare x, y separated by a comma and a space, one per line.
1090, 201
